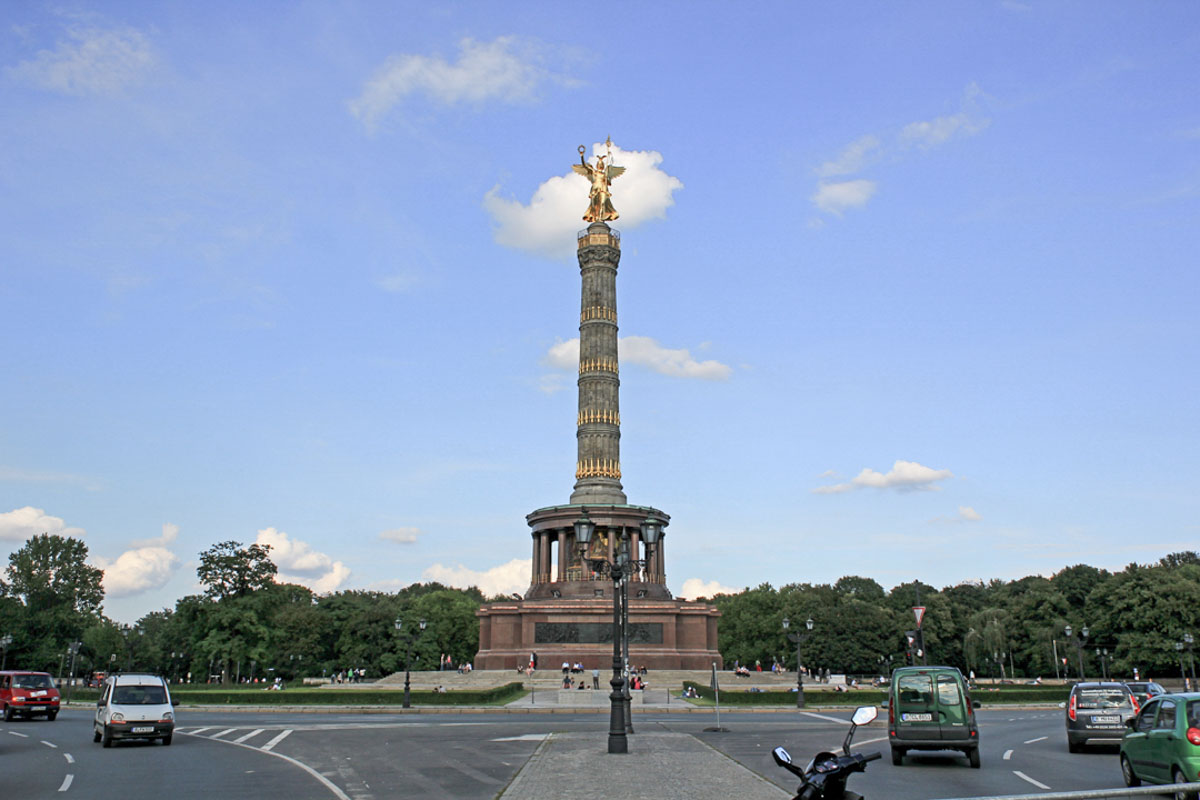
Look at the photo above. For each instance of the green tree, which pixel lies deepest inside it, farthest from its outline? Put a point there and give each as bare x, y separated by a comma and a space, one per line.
229, 570
56, 594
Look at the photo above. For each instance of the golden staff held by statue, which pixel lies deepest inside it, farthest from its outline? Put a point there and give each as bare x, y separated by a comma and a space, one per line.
600, 207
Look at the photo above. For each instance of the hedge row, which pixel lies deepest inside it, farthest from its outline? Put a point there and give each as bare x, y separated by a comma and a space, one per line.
319, 697
860, 697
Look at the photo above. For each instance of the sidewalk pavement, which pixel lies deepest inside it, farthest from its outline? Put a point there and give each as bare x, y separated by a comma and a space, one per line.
578, 766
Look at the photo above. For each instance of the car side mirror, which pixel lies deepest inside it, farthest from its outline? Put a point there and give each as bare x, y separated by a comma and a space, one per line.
1131, 723
174, 701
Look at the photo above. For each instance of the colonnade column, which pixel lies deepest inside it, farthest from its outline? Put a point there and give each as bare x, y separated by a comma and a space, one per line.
562, 554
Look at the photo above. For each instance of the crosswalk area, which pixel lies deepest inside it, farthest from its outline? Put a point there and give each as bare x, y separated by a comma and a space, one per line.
237, 736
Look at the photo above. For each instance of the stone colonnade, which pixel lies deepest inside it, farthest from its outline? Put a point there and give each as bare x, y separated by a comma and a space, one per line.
549, 542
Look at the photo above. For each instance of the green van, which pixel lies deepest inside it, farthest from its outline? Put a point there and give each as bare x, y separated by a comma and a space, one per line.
929, 709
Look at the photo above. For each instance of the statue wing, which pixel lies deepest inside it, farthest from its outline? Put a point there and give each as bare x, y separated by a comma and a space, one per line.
615, 172
583, 169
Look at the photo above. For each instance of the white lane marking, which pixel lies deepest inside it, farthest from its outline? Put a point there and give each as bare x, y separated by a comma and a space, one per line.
528, 737
872, 741
222, 733
249, 735
70, 758
66, 784
328, 784
1025, 777
198, 731
822, 716
49, 744
22, 735
269, 746
1039, 739
1007, 754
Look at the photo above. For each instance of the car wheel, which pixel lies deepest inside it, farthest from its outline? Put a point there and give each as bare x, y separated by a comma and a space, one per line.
1131, 778
897, 756
106, 738
167, 740
973, 755
1177, 777
95, 734
8, 714
1074, 746
53, 715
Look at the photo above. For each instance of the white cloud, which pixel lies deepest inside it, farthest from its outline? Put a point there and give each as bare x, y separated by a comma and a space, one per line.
23, 523
964, 514
648, 353
509, 578
904, 475
506, 69
834, 198
91, 61
299, 563
938, 131
695, 587
400, 535
148, 565
852, 159
548, 224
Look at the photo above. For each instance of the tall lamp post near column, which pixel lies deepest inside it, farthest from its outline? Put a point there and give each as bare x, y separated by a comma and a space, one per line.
399, 623
799, 638
620, 570
1080, 641
5, 641
1189, 642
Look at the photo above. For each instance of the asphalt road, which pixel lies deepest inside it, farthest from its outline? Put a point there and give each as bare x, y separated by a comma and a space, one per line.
234, 755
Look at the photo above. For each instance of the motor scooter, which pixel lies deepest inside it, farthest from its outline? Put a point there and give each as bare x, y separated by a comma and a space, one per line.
825, 776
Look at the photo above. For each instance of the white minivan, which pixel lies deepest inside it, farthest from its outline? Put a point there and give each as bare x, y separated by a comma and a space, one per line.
134, 706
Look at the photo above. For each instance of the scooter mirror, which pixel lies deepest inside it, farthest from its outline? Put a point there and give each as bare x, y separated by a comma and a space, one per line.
864, 715
781, 756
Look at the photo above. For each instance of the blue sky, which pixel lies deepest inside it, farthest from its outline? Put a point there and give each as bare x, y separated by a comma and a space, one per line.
907, 290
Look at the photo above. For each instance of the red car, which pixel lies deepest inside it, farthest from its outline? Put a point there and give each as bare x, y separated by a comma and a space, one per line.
28, 694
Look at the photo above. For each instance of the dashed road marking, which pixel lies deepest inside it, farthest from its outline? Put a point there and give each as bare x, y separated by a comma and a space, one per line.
198, 731
66, 784
527, 737
22, 735
222, 733
249, 735
70, 758
49, 744
829, 719
1039, 739
1025, 777
269, 746
1007, 754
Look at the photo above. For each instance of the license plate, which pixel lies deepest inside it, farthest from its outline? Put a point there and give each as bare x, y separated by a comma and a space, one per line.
144, 729
916, 717
38, 708
1106, 720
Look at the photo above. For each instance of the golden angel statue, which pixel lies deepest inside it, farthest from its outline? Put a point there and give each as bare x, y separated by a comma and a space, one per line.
600, 207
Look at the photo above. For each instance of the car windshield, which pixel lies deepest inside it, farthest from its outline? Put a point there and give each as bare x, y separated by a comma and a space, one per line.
139, 696
1193, 714
33, 682
1102, 698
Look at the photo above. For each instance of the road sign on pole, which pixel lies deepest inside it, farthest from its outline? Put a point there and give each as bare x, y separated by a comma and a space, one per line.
919, 612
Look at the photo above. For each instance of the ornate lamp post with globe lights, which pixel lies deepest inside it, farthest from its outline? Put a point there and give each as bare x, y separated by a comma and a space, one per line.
1080, 641
799, 638
399, 623
620, 570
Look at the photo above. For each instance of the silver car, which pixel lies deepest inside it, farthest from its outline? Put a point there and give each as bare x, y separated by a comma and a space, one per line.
1098, 710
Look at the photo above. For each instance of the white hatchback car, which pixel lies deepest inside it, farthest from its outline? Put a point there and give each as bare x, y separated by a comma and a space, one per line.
134, 706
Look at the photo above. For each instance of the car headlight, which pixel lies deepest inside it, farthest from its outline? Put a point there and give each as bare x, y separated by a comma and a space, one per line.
18, 699
117, 717
169, 716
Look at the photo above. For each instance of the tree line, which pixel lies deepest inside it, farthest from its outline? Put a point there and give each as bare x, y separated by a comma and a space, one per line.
246, 625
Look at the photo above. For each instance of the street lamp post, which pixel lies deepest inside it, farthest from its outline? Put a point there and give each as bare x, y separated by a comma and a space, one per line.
1080, 641
799, 638
73, 649
1102, 654
5, 641
399, 623
619, 570
1188, 642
